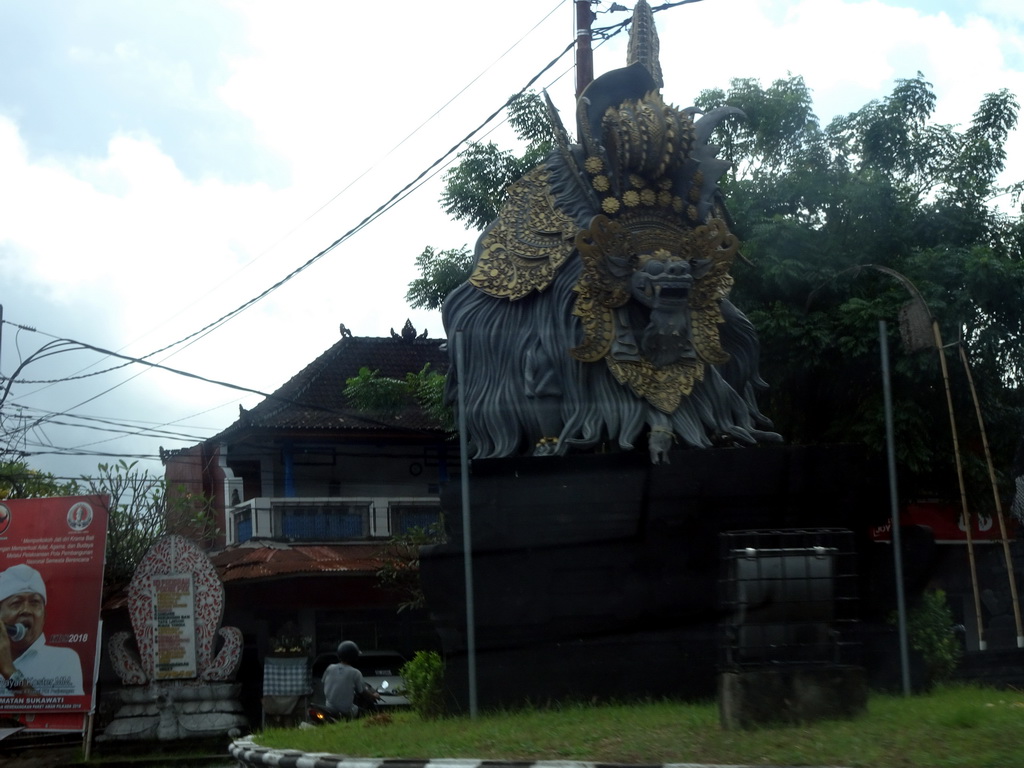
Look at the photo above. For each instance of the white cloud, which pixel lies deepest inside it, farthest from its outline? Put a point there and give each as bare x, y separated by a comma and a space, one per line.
149, 253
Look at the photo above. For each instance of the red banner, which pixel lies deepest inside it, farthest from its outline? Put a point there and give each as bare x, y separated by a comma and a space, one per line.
946, 524
51, 583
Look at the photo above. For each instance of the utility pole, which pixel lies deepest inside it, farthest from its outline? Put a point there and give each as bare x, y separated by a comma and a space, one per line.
584, 52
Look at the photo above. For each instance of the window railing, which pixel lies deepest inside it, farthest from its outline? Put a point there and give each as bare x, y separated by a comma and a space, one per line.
403, 516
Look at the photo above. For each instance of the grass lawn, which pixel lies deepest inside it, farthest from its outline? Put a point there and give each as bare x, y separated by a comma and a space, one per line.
963, 726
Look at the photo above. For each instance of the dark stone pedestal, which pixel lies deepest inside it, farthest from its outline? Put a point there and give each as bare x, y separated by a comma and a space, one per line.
666, 664
751, 697
597, 575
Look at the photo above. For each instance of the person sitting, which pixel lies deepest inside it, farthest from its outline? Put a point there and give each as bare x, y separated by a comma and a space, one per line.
345, 690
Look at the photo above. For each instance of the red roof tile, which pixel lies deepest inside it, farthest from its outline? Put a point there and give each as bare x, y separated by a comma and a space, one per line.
257, 559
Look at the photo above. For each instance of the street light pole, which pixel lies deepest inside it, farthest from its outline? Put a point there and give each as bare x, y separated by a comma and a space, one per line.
467, 537
894, 504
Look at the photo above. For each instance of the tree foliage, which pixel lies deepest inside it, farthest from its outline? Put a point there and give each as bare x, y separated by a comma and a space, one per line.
475, 188
441, 272
19, 481
140, 511
930, 626
886, 186
369, 391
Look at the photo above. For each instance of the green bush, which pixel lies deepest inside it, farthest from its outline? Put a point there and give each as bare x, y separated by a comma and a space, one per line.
424, 684
930, 631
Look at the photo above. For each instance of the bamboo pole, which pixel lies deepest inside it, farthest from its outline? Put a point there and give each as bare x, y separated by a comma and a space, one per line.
1007, 557
965, 512
922, 306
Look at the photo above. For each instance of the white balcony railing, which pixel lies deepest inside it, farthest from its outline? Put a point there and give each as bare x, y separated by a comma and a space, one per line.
328, 519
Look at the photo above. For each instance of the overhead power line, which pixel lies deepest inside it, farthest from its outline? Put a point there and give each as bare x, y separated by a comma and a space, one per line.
110, 425
383, 208
606, 33
73, 344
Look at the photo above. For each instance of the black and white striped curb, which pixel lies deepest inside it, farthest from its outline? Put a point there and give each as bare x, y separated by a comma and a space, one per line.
250, 755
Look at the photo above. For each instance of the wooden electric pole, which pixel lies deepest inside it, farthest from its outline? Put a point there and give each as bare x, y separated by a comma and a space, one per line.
584, 52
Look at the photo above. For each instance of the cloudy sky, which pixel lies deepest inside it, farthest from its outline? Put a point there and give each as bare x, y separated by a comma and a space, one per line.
163, 164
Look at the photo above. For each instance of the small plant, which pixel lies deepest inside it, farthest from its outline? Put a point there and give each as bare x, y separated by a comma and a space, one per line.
424, 684
930, 631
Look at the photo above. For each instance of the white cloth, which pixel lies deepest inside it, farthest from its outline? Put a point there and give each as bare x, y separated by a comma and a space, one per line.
52, 671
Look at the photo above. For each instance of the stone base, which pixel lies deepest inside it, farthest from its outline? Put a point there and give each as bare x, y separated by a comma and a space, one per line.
173, 711
752, 697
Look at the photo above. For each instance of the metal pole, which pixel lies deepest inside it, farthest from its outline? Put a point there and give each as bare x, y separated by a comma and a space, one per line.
87, 735
467, 539
897, 544
1007, 557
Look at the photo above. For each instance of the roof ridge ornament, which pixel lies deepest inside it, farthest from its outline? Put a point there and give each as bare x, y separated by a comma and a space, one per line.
409, 333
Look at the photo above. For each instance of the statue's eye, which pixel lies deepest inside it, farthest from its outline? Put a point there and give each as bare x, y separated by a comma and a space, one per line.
654, 267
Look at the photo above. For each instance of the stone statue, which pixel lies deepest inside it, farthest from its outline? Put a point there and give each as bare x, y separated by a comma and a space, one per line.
597, 310
177, 683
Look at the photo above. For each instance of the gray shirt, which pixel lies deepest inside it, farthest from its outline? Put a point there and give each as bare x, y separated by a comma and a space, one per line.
341, 683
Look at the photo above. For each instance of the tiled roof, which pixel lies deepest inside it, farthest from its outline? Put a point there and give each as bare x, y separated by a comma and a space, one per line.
314, 398
257, 559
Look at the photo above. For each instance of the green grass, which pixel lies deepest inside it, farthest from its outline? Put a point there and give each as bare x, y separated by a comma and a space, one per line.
961, 726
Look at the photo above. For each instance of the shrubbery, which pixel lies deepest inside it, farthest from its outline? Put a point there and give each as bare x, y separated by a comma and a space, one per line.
424, 683
930, 632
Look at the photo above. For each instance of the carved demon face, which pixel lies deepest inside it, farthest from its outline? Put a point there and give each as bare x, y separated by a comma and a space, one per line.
662, 281
680, 276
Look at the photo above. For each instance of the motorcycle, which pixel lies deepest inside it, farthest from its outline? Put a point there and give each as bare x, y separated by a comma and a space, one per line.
321, 714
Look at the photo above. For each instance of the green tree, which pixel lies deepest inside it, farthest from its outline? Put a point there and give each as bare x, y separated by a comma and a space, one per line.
140, 511
441, 272
885, 186
475, 188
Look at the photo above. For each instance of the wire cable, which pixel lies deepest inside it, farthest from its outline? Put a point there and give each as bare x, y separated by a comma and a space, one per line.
605, 33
